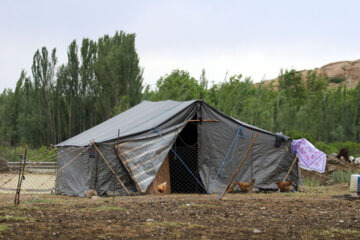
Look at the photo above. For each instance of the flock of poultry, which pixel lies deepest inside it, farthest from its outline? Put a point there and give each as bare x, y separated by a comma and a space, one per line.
244, 186
248, 186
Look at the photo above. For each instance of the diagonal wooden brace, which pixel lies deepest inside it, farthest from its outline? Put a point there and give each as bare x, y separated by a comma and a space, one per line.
238, 168
292, 165
110, 168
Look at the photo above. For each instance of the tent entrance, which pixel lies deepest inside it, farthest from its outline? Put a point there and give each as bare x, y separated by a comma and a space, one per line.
186, 148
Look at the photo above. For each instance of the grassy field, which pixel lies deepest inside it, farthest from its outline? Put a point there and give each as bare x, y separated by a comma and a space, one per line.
315, 213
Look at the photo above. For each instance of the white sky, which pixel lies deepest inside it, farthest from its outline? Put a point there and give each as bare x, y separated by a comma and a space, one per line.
255, 38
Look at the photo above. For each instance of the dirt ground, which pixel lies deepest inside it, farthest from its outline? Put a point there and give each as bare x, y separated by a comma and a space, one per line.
313, 214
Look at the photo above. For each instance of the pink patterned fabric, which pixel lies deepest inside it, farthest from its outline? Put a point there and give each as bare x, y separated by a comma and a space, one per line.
310, 158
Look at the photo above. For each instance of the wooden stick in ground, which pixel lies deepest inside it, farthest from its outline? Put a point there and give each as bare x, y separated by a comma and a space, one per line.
116, 165
238, 168
291, 167
112, 170
21, 177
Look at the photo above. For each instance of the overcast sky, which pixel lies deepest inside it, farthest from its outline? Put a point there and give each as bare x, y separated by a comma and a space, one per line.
254, 38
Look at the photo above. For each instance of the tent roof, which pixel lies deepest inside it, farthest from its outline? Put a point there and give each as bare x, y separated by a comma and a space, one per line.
140, 118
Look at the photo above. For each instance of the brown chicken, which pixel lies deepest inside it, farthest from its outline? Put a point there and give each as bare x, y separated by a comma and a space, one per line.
284, 186
246, 186
161, 188
231, 188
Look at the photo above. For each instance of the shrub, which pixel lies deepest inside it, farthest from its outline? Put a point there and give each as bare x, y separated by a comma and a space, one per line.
327, 148
42, 154
353, 147
340, 177
311, 182
337, 79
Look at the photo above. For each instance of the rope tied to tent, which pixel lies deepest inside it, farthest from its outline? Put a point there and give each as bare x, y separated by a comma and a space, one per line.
234, 143
183, 163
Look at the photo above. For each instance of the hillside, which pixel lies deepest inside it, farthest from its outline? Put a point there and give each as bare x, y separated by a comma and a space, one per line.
347, 72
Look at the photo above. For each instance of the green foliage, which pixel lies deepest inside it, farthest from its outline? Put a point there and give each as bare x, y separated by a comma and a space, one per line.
311, 182
327, 148
179, 85
337, 80
353, 147
340, 177
4, 228
42, 154
56, 103
103, 78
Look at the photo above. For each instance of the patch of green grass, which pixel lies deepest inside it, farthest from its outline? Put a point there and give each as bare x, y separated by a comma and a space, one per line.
288, 194
35, 201
196, 205
340, 177
21, 207
13, 218
173, 224
107, 208
334, 233
311, 182
275, 219
4, 228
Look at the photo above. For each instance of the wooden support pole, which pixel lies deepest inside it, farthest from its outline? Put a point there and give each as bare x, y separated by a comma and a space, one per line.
21, 176
116, 165
112, 170
238, 168
291, 167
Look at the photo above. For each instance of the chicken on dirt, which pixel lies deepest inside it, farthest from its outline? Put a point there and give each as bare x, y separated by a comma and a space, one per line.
246, 186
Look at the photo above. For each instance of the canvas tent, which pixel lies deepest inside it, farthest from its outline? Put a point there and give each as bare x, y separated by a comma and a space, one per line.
191, 145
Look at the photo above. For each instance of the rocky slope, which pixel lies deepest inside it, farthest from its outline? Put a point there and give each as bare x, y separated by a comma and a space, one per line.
347, 72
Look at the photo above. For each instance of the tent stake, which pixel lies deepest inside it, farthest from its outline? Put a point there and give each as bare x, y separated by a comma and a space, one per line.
112, 170
238, 168
287, 174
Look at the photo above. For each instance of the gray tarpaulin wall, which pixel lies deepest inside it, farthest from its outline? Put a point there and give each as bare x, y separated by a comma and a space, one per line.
149, 130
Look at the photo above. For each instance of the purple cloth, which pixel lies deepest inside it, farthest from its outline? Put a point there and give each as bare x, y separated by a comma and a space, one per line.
310, 158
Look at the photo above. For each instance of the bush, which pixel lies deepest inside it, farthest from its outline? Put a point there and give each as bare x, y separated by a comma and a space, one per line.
327, 148
353, 147
294, 134
340, 177
311, 182
337, 79
42, 154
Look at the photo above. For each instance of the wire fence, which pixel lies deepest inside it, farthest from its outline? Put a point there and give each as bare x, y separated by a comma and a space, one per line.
39, 178
39, 173
181, 180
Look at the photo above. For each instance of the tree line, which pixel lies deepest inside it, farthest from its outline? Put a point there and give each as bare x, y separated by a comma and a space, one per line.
103, 78
99, 79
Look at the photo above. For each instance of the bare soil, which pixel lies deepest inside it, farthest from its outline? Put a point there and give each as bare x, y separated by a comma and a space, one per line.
313, 214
